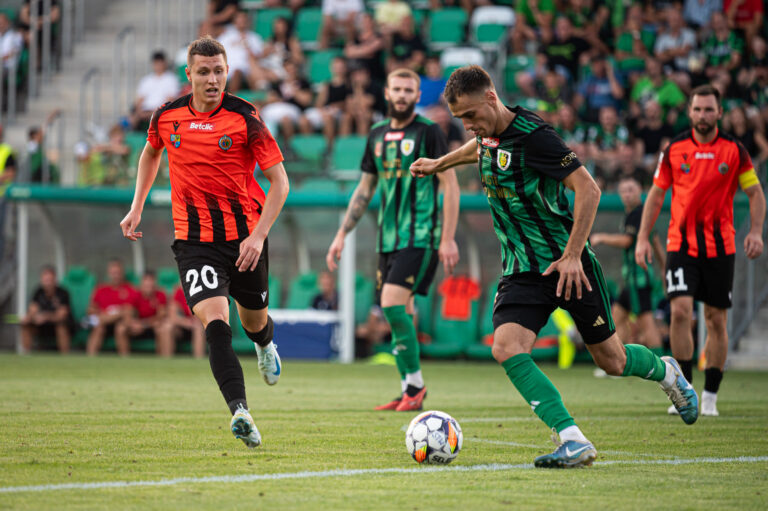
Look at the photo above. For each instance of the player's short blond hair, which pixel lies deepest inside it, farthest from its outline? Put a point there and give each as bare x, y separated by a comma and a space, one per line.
206, 46
404, 73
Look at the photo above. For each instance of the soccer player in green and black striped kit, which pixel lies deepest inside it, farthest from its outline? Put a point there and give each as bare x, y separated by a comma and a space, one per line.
412, 237
546, 260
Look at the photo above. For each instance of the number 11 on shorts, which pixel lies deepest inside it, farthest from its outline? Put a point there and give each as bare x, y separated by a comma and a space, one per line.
680, 286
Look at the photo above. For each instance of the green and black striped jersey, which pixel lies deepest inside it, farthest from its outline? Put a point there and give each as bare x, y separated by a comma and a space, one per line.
635, 277
522, 171
409, 216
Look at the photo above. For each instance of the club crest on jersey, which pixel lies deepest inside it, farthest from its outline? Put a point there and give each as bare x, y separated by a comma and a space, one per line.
490, 142
406, 146
377, 149
503, 159
225, 143
723, 168
685, 167
175, 140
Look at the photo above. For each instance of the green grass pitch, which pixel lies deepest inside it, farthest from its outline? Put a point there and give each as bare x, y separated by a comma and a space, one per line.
74, 420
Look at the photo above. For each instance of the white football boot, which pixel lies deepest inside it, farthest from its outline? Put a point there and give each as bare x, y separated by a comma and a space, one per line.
244, 428
269, 363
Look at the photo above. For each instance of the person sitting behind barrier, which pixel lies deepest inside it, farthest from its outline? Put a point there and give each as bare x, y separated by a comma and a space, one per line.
146, 318
48, 314
105, 164
181, 324
110, 303
328, 298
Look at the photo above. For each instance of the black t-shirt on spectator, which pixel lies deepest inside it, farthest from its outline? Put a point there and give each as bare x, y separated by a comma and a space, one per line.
566, 54
320, 302
403, 49
652, 137
51, 303
337, 93
455, 134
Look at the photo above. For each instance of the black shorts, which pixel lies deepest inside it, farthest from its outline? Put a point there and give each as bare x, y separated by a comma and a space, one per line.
47, 330
706, 279
411, 268
208, 270
636, 300
529, 298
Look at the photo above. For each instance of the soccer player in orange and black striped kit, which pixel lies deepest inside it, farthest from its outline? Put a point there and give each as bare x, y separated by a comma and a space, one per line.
221, 216
704, 167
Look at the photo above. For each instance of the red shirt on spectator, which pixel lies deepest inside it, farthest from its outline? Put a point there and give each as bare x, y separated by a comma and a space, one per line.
146, 306
178, 297
746, 10
106, 296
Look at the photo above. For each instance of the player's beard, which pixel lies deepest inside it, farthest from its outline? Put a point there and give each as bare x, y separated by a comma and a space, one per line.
704, 128
400, 115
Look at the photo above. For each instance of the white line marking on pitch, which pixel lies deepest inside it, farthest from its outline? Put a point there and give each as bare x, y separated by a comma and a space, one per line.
247, 478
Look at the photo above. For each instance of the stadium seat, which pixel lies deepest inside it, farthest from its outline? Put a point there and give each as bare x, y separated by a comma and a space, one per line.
319, 65
136, 140
453, 334
515, 64
489, 26
253, 96
310, 148
446, 27
453, 58
364, 297
275, 292
321, 185
10, 12
264, 18
348, 152
308, 23
132, 277
302, 290
168, 279
80, 283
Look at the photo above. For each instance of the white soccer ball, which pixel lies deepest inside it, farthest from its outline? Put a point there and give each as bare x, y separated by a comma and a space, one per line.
434, 437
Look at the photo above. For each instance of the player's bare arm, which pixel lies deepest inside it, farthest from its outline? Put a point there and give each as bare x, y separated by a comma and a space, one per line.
464, 155
149, 162
358, 205
585, 201
251, 247
651, 210
617, 240
448, 252
753, 243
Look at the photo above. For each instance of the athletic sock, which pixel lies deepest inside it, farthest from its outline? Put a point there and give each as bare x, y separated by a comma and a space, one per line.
225, 365
643, 363
572, 433
712, 378
263, 337
415, 379
538, 391
411, 390
687, 367
404, 337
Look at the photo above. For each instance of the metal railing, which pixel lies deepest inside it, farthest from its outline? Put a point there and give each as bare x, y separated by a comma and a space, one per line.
11, 77
123, 72
90, 78
55, 121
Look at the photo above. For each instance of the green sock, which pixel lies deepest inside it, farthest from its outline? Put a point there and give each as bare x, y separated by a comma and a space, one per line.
403, 337
643, 363
538, 391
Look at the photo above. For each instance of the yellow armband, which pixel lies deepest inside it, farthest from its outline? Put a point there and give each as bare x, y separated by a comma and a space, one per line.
748, 178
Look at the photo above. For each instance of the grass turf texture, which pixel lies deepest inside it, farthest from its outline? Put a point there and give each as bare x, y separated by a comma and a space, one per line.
80, 420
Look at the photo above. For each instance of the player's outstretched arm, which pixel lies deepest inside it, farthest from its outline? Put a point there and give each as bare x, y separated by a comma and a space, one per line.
651, 209
145, 176
618, 240
449, 250
464, 155
585, 201
358, 205
753, 243
251, 247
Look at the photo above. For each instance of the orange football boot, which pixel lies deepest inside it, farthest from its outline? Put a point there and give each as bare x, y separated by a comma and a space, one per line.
408, 403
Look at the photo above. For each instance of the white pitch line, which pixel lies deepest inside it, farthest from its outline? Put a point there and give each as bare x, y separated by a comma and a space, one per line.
496, 467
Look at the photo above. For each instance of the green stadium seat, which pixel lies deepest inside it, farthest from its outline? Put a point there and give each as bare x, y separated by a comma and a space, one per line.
489, 26
364, 297
452, 336
302, 290
308, 23
181, 73
80, 282
515, 64
136, 140
253, 96
446, 27
264, 18
488, 35
321, 185
275, 292
168, 279
10, 12
348, 152
425, 306
319, 65
310, 148
132, 277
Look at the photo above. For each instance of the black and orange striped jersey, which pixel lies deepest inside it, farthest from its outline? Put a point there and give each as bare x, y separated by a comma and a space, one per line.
212, 157
704, 178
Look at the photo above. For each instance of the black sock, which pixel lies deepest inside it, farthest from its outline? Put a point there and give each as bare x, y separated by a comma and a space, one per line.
264, 336
411, 391
225, 365
712, 378
687, 367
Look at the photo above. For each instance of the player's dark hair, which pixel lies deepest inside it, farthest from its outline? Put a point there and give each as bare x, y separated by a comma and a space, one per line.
466, 80
206, 46
48, 268
705, 90
150, 273
404, 73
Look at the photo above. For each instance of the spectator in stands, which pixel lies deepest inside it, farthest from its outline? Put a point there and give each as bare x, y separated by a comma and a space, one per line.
406, 48
591, 21
601, 88
106, 164
48, 314
442, 116
111, 302
339, 17
219, 13
11, 45
328, 298
364, 105
722, 50
697, 13
553, 91
745, 15
753, 83
181, 324
532, 16
35, 149
375, 331
628, 168
154, 89
654, 86
25, 24
146, 318
293, 5
391, 15
652, 134
432, 84
7, 175
673, 47
366, 49
634, 43
573, 133
754, 141
563, 49
286, 103
280, 48
604, 142
244, 48
331, 100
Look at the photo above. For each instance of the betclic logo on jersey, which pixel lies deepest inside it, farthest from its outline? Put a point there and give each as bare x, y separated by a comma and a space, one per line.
201, 126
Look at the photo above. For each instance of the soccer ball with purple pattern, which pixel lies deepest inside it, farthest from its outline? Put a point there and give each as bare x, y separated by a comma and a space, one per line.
433, 437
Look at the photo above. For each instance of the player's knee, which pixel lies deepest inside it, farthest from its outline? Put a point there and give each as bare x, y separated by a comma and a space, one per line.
680, 314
